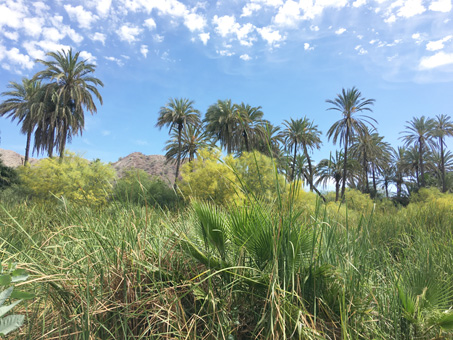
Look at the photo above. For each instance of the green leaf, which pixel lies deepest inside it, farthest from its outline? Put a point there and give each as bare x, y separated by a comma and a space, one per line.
5, 280
446, 321
5, 294
6, 309
19, 275
10, 323
17, 294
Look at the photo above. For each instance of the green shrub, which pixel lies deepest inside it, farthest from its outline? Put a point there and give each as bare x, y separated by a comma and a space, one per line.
8, 176
76, 179
137, 186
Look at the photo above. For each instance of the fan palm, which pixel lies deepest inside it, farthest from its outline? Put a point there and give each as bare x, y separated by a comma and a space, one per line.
23, 104
221, 121
72, 88
419, 133
177, 114
349, 103
442, 128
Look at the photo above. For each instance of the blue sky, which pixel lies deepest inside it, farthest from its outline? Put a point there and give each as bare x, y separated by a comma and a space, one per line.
286, 56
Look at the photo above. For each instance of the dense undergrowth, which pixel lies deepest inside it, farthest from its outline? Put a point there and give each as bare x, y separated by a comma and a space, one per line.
264, 270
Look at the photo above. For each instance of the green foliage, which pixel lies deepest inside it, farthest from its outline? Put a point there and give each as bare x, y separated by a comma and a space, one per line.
137, 186
73, 178
8, 176
11, 322
226, 180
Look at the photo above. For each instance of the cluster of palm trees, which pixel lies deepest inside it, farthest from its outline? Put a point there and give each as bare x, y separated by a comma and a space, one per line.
365, 162
51, 105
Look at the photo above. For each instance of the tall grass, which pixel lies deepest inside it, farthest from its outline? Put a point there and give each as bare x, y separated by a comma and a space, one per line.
264, 270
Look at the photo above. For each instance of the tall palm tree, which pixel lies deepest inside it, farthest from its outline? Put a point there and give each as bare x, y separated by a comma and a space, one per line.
221, 122
271, 138
349, 103
177, 114
302, 133
250, 119
442, 127
193, 138
71, 88
399, 166
23, 104
419, 133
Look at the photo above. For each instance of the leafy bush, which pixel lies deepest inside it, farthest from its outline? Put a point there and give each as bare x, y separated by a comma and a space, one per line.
74, 178
228, 179
8, 176
137, 186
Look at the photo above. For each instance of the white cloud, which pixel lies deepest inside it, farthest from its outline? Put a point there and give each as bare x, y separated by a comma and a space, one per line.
158, 38
416, 36
243, 32
359, 3
391, 19
22, 60
439, 59
116, 60
438, 44
194, 21
249, 8
411, 8
272, 37
340, 31
204, 37
40, 7
83, 17
225, 25
11, 17
99, 37
289, 14
129, 33
84, 55
53, 34
441, 6
144, 50
150, 23
314, 28
360, 50
103, 7
33, 26
11, 35
307, 47
225, 53
312, 9
245, 57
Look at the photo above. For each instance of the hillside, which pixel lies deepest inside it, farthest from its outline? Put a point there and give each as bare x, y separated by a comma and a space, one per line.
153, 164
13, 159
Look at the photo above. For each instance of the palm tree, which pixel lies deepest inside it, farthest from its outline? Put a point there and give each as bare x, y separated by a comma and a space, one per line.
177, 114
442, 128
302, 133
419, 133
23, 105
331, 169
193, 138
398, 160
71, 89
250, 119
222, 121
349, 102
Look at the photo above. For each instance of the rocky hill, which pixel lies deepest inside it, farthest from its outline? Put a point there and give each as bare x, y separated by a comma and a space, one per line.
153, 164
13, 159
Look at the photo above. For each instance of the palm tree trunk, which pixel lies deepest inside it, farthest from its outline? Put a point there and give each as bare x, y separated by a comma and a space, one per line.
178, 161
365, 168
442, 165
316, 190
27, 146
422, 168
63, 141
374, 179
337, 190
294, 162
346, 142
246, 141
310, 170
386, 189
